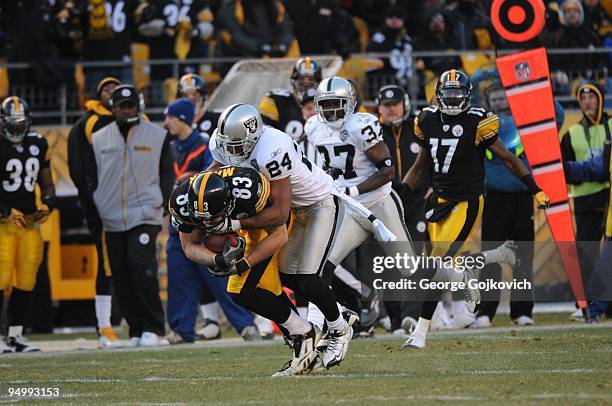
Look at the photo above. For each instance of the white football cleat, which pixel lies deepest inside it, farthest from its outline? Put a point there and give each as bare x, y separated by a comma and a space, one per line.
408, 324
523, 321
210, 330
133, 342
21, 344
504, 254
577, 315
314, 368
149, 339
250, 333
463, 320
481, 322
415, 341
4, 349
472, 295
304, 349
108, 338
441, 320
337, 346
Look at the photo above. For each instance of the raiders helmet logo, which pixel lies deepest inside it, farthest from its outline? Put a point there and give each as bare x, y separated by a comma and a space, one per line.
251, 125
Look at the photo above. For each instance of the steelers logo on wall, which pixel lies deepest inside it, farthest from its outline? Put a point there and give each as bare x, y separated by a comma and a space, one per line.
518, 20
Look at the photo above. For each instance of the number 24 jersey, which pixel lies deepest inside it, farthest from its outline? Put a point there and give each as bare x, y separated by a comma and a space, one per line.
457, 146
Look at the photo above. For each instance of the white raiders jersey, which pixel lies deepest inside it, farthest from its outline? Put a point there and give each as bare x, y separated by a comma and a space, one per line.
345, 149
277, 156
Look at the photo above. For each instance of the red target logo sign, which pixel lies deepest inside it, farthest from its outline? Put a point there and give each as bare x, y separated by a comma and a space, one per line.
518, 20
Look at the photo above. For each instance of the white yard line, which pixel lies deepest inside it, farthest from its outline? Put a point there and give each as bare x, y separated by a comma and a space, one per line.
61, 348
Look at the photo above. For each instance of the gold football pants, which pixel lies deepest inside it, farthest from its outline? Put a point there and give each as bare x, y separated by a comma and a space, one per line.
21, 252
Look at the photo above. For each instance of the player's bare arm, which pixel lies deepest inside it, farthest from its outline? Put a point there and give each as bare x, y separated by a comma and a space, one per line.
272, 243
195, 250
417, 172
519, 170
379, 154
277, 213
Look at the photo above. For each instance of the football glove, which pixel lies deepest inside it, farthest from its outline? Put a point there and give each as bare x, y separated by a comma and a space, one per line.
18, 219
42, 214
541, 199
230, 254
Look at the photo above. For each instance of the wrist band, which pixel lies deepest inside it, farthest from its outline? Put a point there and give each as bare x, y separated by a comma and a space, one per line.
352, 191
243, 265
235, 224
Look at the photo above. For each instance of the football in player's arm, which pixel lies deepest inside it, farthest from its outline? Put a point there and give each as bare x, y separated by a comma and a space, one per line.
192, 232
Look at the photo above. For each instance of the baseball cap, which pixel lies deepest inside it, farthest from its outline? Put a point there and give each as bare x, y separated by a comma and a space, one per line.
391, 93
124, 94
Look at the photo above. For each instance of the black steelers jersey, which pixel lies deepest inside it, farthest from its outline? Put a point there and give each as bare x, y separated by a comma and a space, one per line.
207, 124
457, 145
280, 109
20, 165
250, 189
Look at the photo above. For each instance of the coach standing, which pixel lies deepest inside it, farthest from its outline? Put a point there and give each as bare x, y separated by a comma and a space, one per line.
134, 172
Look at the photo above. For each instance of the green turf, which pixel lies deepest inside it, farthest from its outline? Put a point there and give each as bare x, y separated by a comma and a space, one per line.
555, 366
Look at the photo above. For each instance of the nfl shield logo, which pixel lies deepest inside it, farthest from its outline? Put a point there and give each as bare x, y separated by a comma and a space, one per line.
522, 71
344, 135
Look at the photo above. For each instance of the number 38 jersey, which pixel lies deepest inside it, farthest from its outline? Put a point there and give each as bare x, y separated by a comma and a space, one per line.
345, 149
457, 145
250, 188
20, 165
277, 157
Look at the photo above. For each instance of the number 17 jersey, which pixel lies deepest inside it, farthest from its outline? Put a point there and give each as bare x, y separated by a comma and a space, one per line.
457, 146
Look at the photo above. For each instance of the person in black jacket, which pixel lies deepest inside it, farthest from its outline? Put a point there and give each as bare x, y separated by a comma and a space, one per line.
81, 164
394, 111
254, 28
329, 33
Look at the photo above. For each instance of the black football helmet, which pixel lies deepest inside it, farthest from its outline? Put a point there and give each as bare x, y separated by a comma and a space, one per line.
15, 118
190, 83
305, 67
453, 92
210, 199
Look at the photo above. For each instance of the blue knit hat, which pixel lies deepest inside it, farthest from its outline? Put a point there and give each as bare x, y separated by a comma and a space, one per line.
182, 109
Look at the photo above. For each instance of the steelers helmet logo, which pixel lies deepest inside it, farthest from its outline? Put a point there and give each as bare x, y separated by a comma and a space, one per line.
389, 94
126, 92
518, 20
251, 125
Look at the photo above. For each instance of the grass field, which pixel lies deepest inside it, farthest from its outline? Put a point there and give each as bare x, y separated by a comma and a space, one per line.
550, 364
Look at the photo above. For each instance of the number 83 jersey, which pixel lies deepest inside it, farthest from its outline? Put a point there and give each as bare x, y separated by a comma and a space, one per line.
345, 149
20, 165
457, 146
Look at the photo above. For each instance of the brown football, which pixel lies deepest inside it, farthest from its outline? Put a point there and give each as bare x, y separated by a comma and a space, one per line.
215, 242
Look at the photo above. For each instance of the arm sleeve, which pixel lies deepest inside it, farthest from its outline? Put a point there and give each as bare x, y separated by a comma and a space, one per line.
166, 174
487, 130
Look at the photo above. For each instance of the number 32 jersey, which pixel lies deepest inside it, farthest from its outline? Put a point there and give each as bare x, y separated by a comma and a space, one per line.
20, 165
457, 145
250, 189
277, 157
345, 149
